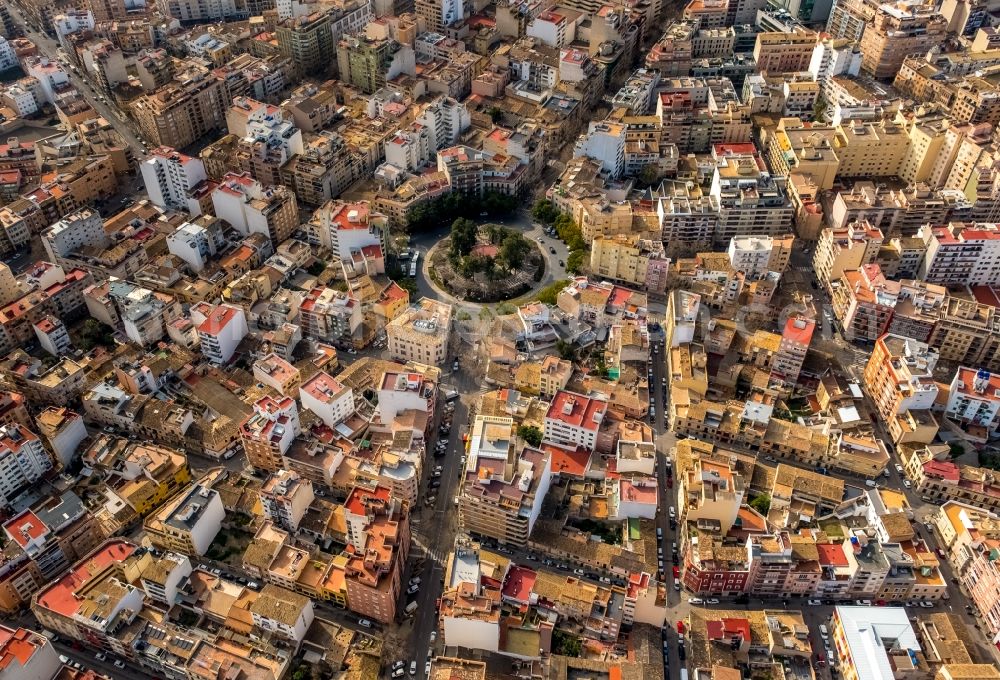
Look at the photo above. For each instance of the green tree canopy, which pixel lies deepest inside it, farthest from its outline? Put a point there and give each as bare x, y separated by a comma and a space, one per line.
761, 504
530, 434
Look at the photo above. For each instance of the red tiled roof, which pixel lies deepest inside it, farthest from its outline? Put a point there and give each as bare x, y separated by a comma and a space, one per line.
942, 469
60, 596
519, 583
831, 555
25, 527
567, 461
576, 410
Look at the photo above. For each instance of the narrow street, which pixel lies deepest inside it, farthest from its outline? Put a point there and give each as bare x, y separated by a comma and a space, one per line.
49, 48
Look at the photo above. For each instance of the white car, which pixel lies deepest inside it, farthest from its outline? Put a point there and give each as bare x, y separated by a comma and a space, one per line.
415, 581
695, 600
908, 484
119, 663
927, 605
100, 656
711, 600
814, 603
365, 623
899, 468
412, 590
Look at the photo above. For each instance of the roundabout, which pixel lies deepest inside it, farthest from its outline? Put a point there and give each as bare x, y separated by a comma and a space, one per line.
484, 264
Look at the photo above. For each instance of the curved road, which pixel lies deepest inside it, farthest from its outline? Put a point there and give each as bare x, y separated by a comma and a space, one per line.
521, 221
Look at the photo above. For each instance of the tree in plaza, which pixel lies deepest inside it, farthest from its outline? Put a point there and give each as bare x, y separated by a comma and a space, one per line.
513, 250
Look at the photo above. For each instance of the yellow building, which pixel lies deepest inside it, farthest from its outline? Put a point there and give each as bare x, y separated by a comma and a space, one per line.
629, 259
597, 216
870, 149
805, 149
152, 475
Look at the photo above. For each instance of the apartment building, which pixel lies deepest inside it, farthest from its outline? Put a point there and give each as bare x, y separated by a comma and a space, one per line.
787, 362
169, 176
281, 612
189, 522
76, 184
777, 53
151, 475
630, 259
307, 41
574, 419
971, 537
421, 333
332, 316
751, 202
93, 599
896, 32
974, 403
268, 433
220, 328
846, 248
755, 256
503, 488
378, 530
331, 401
285, 498
852, 630
352, 231
899, 378
253, 208
44, 541
961, 254
23, 461
277, 373
193, 104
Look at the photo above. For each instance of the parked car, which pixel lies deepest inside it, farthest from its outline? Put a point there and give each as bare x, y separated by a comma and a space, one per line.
413, 668
100, 656
119, 663
927, 605
695, 600
712, 600
814, 603
412, 590
364, 623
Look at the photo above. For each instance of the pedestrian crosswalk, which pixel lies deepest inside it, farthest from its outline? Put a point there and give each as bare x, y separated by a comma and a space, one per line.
424, 547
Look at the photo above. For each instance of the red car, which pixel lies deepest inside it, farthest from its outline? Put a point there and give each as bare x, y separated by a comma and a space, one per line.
677, 572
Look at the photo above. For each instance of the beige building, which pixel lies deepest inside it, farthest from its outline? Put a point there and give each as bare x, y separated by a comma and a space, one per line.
503, 487
896, 32
421, 333
776, 52
844, 249
631, 260
192, 104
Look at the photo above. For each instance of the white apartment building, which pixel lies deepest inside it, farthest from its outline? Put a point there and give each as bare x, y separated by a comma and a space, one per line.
574, 419
72, 21
446, 119
604, 142
401, 392
410, 148
8, 59
193, 244
349, 228
144, 313
52, 336
50, 75
78, 229
961, 254
331, 401
285, 498
23, 461
220, 330
195, 519
169, 175
64, 430
282, 612
974, 402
